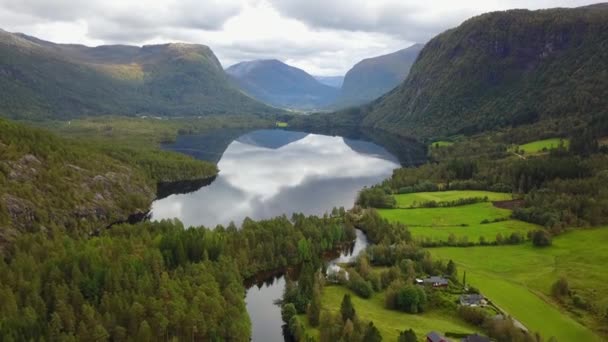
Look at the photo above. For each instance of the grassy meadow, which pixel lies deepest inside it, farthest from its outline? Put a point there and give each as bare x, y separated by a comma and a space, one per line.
519, 278
540, 146
464, 222
390, 322
442, 143
411, 200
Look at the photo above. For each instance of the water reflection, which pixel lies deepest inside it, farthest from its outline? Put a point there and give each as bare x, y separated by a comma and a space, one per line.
268, 173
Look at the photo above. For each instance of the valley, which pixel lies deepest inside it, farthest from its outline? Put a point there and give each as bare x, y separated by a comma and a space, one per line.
453, 190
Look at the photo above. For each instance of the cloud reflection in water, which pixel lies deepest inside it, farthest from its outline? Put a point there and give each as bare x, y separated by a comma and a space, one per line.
309, 173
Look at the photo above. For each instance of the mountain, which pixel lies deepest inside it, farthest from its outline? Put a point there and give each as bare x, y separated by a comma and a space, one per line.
40, 79
498, 69
281, 85
332, 81
373, 77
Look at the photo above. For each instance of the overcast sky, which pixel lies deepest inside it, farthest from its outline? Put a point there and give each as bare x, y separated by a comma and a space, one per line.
323, 37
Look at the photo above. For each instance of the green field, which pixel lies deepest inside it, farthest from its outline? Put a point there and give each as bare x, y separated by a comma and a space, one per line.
281, 124
441, 143
391, 322
436, 224
519, 278
539, 145
409, 200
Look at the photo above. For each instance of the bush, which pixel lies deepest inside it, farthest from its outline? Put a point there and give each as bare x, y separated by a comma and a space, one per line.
560, 288
475, 316
541, 238
359, 285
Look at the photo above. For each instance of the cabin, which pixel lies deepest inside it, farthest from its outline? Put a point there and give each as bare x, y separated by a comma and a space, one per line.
434, 336
436, 281
472, 300
475, 338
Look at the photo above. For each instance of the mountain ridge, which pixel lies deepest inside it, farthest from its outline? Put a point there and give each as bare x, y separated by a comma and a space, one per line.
279, 84
498, 69
41, 79
372, 77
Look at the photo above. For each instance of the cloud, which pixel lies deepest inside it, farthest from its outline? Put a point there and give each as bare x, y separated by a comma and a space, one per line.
132, 21
324, 37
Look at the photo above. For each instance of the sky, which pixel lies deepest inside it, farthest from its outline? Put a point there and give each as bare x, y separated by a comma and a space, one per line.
323, 37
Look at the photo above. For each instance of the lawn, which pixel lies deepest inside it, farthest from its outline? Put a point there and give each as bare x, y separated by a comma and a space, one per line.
391, 322
409, 200
539, 145
281, 124
436, 224
442, 143
519, 279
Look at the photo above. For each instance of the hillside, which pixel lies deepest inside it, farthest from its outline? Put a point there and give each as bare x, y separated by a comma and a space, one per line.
498, 69
106, 171
281, 85
50, 183
373, 77
40, 79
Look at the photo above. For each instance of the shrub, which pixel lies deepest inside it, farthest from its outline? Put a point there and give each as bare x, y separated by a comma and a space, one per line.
541, 238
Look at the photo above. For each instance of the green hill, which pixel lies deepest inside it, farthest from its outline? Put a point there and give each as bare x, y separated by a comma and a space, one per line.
40, 79
81, 185
498, 69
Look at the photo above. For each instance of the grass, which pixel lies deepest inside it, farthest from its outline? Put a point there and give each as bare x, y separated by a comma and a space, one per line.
519, 278
540, 146
282, 124
389, 322
442, 143
437, 224
408, 200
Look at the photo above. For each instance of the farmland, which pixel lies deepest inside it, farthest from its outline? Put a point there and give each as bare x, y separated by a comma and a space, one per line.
519, 279
540, 146
414, 199
390, 322
463, 223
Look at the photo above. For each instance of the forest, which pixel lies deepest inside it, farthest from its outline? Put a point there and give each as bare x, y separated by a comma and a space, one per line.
153, 279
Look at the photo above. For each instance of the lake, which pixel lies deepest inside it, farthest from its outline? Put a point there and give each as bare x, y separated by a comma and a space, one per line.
267, 173
266, 322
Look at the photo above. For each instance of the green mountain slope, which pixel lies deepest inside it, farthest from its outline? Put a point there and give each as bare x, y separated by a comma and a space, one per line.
373, 77
502, 68
40, 79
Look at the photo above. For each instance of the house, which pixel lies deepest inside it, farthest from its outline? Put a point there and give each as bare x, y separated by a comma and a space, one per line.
434, 336
472, 300
475, 338
436, 281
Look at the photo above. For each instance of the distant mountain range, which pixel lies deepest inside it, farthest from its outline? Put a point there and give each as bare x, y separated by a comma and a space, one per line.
281, 85
373, 77
40, 79
332, 81
285, 86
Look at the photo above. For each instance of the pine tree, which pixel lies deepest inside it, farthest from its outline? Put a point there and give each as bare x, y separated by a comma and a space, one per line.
346, 309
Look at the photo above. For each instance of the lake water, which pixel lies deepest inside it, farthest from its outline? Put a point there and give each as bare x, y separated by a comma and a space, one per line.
266, 322
267, 173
